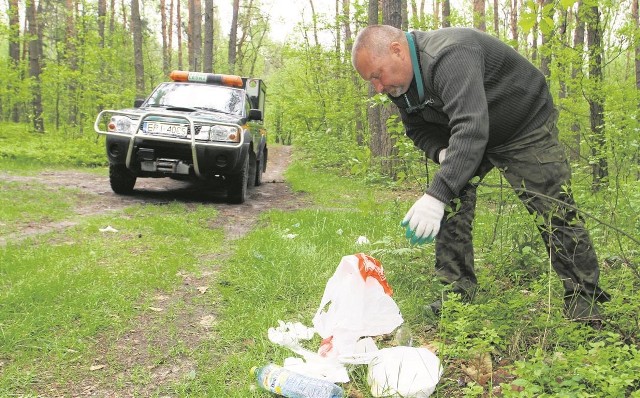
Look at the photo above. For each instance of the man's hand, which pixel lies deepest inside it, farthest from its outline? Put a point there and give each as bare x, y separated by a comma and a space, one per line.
423, 220
441, 155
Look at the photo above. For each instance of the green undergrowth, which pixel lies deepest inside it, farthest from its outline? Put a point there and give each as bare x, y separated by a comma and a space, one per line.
22, 149
67, 296
280, 270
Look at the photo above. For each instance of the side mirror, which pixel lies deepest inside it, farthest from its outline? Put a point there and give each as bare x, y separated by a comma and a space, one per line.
255, 114
137, 103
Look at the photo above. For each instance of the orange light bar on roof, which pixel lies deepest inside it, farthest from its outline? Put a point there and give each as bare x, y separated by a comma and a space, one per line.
211, 78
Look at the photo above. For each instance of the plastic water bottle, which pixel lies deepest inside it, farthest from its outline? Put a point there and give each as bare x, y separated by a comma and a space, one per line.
290, 384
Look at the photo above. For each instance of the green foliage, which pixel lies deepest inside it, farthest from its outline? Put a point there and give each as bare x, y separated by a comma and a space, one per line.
57, 148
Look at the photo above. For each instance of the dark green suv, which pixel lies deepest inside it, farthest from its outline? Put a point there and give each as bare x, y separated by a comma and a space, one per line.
198, 126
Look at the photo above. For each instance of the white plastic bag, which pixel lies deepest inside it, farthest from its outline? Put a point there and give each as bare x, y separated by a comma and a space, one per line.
408, 372
356, 302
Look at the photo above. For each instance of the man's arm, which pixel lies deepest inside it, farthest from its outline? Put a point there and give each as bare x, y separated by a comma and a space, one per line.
429, 137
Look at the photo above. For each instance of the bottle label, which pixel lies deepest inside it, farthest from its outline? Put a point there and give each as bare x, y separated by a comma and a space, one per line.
283, 382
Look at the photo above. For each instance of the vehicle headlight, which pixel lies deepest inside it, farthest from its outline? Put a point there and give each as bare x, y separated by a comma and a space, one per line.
203, 134
224, 133
121, 124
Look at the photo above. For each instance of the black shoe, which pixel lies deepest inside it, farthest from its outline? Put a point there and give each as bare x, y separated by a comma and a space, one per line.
435, 307
582, 309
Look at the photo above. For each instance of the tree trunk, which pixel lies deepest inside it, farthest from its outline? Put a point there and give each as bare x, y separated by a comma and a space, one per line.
112, 17
233, 36
513, 23
102, 17
314, 20
373, 112
170, 37
179, 33
70, 55
195, 37
636, 25
355, 79
576, 68
392, 13
166, 32
207, 57
338, 28
138, 65
547, 11
496, 18
189, 32
596, 102
246, 29
383, 145
124, 15
14, 52
437, 16
34, 29
446, 13
404, 13
479, 15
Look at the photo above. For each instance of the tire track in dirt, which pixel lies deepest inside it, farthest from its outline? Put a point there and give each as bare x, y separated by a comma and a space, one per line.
97, 198
130, 352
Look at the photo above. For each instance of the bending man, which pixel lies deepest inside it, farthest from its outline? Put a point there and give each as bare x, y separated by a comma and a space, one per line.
472, 103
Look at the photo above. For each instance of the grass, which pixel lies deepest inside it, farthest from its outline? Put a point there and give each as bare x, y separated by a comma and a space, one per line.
21, 149
126, 302
59, 292
22, 204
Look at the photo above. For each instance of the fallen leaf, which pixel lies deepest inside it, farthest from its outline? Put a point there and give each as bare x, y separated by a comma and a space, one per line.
479, 369
156, 309
207, 321
109, 228
203, 289
96, 367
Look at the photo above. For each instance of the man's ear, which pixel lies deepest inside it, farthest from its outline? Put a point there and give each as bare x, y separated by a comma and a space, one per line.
396, 49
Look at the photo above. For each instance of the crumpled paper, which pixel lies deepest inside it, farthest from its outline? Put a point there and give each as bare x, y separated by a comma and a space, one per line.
289, 335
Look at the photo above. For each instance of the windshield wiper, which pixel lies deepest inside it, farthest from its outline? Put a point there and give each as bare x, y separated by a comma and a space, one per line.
213, 110
180, 108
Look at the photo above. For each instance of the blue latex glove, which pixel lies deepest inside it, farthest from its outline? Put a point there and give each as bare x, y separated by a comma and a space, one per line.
423, 220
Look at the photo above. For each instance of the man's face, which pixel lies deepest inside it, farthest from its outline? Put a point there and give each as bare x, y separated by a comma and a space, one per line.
390, 73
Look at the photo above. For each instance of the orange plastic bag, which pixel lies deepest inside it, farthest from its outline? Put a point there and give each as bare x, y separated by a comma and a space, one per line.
356, 303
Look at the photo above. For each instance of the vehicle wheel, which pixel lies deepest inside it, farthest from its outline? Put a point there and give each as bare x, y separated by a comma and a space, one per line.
258, 181
253, 169
238, 185
121, 179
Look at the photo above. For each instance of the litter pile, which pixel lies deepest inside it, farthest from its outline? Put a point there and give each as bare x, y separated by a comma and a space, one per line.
356, 306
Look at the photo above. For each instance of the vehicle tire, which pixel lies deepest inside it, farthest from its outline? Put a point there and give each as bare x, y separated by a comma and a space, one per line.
238, 184
258, 180
253, 169
121, 179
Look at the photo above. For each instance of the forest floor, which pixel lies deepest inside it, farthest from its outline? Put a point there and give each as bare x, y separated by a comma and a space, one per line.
131, 350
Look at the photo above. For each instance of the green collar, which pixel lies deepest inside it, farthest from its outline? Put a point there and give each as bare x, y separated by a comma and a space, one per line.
416, 67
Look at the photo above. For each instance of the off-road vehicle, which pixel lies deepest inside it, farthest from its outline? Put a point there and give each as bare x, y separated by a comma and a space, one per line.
200, 126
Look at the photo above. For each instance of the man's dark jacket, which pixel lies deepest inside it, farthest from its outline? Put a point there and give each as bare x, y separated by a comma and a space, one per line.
480, 95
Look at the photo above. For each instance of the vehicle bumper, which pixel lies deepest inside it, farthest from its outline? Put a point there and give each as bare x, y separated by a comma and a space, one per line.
150, 155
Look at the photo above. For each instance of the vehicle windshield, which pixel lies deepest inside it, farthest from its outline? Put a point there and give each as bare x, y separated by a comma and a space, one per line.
198, 96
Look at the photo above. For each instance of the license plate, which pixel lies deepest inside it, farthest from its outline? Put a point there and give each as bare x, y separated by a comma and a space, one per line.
173, 130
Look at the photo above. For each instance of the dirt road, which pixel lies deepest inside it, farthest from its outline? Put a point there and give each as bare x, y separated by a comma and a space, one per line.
119, 358
99, 199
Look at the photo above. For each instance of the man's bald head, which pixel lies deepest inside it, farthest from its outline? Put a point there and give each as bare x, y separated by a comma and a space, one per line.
380, 54
376, 39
